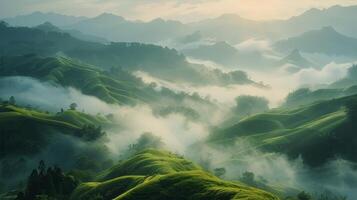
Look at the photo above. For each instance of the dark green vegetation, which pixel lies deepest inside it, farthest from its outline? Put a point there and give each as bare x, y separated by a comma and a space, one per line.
47, 182
305, 131
248, 105
15, 123
153, 174
116, 86
344, 87
67, 138
305, 96
349, 81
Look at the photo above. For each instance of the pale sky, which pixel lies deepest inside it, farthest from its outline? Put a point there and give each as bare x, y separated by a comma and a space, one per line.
183, 10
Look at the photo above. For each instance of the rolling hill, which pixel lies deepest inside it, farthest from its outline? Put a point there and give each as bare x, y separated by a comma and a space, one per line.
117, 87
48, 27
325, 41
116, 28
348, 81
37, 18
305, 96
15, 123
305, 131
158, 61
153, 174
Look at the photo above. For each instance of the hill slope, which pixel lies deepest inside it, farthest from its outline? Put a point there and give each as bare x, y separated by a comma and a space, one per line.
158, 61
37, 18
30, 129
116, 28
326, 41
117, 87
149, 162
164, 177
304, 131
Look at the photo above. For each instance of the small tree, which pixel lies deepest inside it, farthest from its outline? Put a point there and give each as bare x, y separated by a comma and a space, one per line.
303, 196
351, 108
219, 172
248, 105
73, 106
248, 178
12, 100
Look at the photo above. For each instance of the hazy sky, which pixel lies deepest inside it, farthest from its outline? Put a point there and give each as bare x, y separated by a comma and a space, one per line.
184, 10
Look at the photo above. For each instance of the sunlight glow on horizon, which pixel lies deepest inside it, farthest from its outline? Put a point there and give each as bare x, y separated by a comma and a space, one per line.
186, 11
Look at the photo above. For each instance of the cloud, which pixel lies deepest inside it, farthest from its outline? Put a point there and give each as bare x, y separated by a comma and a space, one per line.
175, 129
47, 96
254, 45
328, 74
338, 176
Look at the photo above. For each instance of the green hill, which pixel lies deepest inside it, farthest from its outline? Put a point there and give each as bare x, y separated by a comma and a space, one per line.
160, 62
25, 132
305, 96
149, 162
153, 174
305, 131
116, 87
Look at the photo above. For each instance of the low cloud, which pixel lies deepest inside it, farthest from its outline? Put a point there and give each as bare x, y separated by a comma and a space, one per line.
328, 74
46, 96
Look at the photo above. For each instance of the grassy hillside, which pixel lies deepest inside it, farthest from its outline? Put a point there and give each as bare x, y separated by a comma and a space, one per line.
153, 174
149, 162
30, 129
305, 131
116, 87
307, 96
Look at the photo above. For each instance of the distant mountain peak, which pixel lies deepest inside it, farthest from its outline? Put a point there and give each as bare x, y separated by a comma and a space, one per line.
159, 19
295, 58
329, 29
48, 26
229, 16
294, 55
109, 16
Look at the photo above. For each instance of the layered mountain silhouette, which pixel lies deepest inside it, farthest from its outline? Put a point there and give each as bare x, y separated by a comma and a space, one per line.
326, 41
37, 18
229, 27
116, 28
49, 27
295, 58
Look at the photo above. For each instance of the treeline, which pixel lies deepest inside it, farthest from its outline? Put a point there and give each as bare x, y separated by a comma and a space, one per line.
48, 183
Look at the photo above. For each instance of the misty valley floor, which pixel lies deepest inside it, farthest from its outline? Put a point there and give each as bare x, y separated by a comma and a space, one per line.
223, 108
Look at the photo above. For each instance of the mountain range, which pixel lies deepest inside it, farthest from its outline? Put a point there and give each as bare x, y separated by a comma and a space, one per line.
229, 27
325, 41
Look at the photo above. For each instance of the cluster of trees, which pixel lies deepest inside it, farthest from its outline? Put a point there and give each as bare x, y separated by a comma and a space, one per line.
220, 172
10, 101
47, 183
352, 110
90, 132
146, 140
248, 105
326, 195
